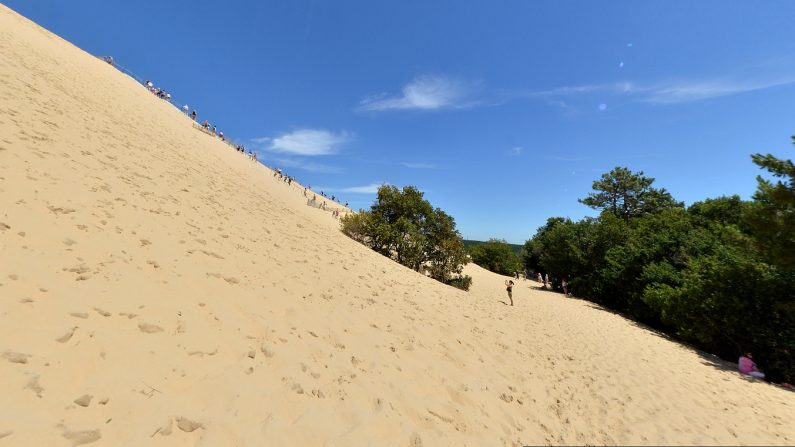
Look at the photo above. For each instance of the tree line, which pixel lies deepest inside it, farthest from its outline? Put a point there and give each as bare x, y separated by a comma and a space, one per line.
719, 274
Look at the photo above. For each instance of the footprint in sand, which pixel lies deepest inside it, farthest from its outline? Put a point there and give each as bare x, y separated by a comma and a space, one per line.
60, 210
188, 425
165, 429
149, 328
33, 385
79, 269
506, 397
16, 357
266, 352
67, 336
84, 400
82, 437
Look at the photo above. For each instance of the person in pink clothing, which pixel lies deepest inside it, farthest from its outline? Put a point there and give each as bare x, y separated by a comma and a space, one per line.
747, 366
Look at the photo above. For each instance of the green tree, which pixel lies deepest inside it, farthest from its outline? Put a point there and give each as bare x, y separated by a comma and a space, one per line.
404, 226
721, 210
444, 251
772, 217
532, 249
627, 194
497, 256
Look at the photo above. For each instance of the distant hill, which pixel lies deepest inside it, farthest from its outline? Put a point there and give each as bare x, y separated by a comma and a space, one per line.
515, 247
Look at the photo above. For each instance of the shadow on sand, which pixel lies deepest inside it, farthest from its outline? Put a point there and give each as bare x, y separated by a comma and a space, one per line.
706, 358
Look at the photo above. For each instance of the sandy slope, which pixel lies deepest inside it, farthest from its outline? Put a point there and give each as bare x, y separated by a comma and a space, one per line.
198, 301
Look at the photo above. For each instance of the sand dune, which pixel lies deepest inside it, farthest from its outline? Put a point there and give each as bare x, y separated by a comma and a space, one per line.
158, 288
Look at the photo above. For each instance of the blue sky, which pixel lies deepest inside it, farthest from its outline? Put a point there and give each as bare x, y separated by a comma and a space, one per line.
503, 112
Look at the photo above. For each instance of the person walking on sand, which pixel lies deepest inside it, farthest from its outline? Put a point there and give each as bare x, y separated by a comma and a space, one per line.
509, 289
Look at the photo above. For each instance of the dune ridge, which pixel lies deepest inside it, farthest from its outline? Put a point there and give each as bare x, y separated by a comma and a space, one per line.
158, 288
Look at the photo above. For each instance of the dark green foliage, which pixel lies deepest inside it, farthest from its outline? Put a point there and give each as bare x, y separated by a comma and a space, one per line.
404, 226
497, 256
720, 275
720, 211
462, 282
728, 304
773, 216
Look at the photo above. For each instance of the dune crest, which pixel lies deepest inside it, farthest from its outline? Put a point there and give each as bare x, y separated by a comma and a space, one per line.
158, 288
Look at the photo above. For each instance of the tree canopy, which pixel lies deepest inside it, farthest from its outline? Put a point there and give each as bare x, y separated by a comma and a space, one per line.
404, 226
773, 215
628, 194
497, 256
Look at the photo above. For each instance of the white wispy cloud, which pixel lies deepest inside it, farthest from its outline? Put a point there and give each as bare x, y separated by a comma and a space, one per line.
306, 142
696, 91
560, 158
672, 92
419, 165
305, 165
425, 93
372, 188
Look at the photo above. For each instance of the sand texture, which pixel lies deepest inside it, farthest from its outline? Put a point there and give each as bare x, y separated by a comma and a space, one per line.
158, 288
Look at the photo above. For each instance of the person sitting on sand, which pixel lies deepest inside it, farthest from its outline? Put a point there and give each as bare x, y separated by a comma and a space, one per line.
747, 366
509, 289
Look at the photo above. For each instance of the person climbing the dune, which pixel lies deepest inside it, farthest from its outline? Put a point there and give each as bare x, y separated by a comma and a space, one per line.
509, 289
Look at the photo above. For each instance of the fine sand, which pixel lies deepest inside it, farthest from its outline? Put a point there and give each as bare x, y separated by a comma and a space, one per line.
158, 288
